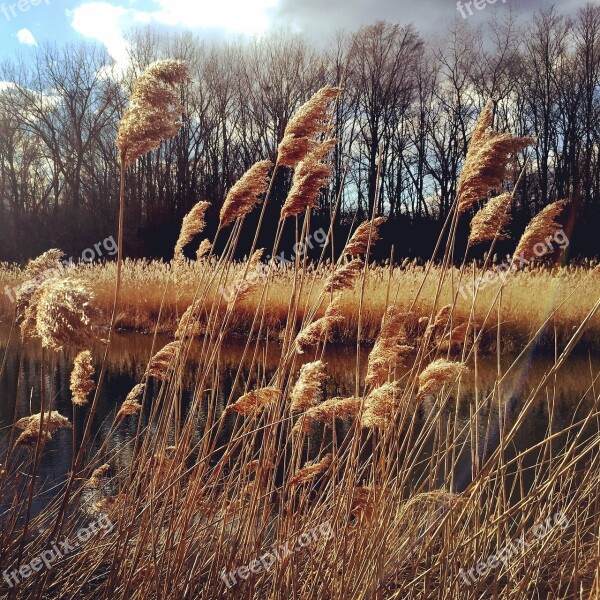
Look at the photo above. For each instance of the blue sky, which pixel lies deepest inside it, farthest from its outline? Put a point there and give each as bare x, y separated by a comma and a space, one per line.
25, 23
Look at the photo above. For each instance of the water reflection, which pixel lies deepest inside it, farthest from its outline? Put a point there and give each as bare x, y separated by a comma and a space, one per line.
20, 389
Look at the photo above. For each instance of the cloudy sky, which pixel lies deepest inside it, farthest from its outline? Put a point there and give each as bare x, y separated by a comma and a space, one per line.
27, 23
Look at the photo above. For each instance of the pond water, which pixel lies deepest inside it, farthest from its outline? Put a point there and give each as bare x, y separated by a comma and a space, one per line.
20, 396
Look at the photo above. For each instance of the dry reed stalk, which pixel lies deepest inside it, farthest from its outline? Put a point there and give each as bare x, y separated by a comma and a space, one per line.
81, 378
153, 113
390, 350
310, 177
542, 226
381, 406
246, 193
310, 471
314, 333
96, 478
344, 277
490, 222
438, 374
307, 390
334, 408
255, 402
308, 123
130, 405
61, 313
486, 164
163, 359
52, 421
360, 238
193, 224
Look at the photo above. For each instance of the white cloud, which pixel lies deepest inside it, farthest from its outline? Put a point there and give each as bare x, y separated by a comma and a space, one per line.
26, 37
107, 22
103, 22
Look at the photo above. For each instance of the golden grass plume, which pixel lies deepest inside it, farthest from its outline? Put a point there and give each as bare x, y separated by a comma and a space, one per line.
154, 110
307, 390
439, 373
310, 471
246, 193
130, 405
255, 402
359, 241
490, 222
486, 164
81, 378
543, 225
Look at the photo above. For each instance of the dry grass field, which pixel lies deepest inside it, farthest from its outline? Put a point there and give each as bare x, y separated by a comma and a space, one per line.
529, 298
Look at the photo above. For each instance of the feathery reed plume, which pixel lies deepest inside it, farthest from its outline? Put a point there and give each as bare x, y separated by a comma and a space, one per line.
81, 378
189, 324
390, 350
53, 421
310, 177
37, 270
163, 359
381, 406
96, 478
312, 334
360, 238
334, 408
486, 164
440, 322
307, 390
246, 193
154, 110
246, 283
203, 249
543, 225
193, 223
490, 222
61, 314
310, 471
308, 122
439, 373
253, 403
130, 405
344, 277
293, 150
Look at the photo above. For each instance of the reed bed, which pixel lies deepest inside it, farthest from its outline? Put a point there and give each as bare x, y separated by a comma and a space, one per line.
363, 496
148, 290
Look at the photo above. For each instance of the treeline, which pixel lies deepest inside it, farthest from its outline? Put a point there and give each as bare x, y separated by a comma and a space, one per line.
403, 126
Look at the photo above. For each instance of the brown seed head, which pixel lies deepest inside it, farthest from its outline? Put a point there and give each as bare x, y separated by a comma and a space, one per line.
154, 110
246, 193
81, 378
255, 402
307, 390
